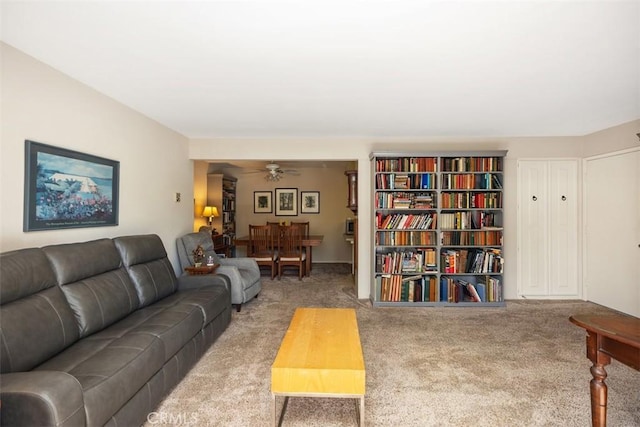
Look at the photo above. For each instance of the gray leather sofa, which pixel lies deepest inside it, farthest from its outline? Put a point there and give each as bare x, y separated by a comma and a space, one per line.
97, 333
243, 273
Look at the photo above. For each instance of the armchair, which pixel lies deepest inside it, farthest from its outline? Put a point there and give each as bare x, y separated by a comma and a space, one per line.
244, 273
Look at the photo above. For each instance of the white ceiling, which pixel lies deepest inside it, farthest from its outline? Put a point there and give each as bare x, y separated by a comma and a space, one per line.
373, 69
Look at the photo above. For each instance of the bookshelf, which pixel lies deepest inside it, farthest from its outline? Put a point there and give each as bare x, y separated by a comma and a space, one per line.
438, 228
221, 192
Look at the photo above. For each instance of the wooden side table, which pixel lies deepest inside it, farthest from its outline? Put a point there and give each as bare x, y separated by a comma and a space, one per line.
608, 337
203, 269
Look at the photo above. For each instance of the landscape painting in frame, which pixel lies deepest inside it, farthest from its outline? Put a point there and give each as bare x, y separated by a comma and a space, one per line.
310, 202
286, 201
68, 189
262, 202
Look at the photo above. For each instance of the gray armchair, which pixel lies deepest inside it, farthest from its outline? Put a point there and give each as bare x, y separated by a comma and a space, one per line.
244, 273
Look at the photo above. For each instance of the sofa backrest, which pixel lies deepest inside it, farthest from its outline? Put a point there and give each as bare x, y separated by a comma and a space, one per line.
94, 282
145, 258
37, 321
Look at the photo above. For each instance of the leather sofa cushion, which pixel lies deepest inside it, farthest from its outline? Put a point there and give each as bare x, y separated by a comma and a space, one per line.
24, 272
109, 370
37, 321
34, 329
146, 260
94, 282
210, 301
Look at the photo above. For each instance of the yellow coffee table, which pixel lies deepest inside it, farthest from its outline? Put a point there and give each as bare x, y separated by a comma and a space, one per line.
320, 356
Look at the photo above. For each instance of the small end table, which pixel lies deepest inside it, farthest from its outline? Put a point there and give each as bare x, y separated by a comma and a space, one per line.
203, 269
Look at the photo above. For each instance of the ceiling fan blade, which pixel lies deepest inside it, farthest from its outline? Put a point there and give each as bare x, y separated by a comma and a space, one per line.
290, 171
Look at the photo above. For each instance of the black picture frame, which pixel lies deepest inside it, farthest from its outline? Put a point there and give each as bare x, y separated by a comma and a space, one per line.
309, 202
286, 202
262, 202
68, 189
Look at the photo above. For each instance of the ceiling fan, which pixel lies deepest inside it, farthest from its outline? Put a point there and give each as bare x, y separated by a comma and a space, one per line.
275, 172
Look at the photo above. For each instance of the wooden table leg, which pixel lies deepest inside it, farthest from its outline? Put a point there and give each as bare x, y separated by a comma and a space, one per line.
598, 396
598, 387
307, 252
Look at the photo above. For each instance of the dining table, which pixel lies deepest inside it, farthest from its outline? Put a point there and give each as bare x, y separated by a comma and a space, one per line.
307, 242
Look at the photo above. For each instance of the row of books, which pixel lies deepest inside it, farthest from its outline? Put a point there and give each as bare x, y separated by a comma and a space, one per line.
423, 221
397, 262
470, 181
472, 164
472, 238
459, 290
468, 200
396, 181
448, 164
487, 260
406, 238
396, 288
407, 164
469, 220
404, 200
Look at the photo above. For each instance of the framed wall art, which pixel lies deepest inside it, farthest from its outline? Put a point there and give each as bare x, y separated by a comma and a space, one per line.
68, 189
262, 202
309, 202
286, 201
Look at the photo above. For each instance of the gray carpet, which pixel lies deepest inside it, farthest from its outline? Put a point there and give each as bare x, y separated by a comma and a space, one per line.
523, 365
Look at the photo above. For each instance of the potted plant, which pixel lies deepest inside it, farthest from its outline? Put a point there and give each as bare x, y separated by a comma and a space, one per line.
198, 255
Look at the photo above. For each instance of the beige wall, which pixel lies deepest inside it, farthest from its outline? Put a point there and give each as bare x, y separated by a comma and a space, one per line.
612, 139
44, 105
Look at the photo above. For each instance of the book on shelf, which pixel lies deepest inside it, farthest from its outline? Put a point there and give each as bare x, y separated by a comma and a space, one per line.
401, 182
474, 293
481, 289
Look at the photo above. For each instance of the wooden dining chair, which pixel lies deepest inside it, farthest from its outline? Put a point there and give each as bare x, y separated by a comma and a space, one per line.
305, 235
261, 247
291, 252
305, 227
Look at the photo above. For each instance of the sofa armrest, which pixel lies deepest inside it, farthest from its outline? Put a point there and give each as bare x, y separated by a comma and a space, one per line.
42, 398
198, 281
244, 263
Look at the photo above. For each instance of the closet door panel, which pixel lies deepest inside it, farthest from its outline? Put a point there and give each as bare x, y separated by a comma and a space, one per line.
563, 228
533, 225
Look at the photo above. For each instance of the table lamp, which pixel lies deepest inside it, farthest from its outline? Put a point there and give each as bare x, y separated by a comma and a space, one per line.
211, 212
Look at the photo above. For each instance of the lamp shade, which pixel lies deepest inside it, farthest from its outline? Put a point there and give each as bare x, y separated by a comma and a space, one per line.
210, 211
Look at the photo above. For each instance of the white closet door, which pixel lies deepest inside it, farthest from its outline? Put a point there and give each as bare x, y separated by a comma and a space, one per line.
563, 228
612, 231
533, 220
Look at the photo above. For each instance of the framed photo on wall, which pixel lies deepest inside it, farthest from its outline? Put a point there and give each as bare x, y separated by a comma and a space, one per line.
309, 202
286, 201
262, 202
68, 189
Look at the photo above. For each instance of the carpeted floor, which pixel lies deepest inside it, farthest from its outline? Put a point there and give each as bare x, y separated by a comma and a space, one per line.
522, 365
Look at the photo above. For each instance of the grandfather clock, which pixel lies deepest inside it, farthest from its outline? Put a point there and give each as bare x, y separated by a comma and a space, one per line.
352, 180
352, 203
